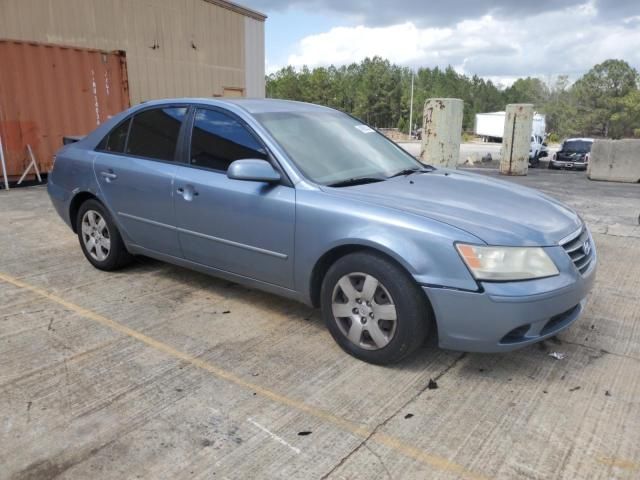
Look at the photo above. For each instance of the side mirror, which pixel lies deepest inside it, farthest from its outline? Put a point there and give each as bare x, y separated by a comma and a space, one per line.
253, 170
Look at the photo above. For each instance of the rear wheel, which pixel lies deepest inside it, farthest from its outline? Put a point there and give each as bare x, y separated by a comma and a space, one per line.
99, 238
374, 309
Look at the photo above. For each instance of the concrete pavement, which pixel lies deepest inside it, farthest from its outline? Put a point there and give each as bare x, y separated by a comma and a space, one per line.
160, 372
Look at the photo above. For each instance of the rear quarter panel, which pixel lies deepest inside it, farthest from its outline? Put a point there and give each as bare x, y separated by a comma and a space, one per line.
72, 174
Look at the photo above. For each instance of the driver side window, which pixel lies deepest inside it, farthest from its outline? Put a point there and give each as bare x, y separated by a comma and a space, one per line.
218, 140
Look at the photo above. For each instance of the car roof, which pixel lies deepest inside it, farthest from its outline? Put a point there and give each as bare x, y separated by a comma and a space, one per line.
251, 105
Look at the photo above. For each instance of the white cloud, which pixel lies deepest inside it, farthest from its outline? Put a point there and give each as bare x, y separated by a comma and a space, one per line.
566, 41
400, 43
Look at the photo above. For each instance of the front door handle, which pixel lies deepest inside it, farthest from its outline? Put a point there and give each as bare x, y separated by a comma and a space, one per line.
187, 192
109, 175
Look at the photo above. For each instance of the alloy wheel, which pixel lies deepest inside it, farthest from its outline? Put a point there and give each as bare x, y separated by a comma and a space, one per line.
95, 235
364, 310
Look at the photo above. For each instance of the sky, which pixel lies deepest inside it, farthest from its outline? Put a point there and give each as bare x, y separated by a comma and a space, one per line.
496, 39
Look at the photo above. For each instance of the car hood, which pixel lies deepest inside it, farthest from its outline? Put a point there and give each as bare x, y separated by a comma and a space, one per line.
495, 211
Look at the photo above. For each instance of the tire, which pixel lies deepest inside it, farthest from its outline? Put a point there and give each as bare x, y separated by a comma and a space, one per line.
99, 237
535, 161
350, 310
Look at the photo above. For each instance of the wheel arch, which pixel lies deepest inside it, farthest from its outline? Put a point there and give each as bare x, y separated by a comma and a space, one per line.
74, 206
323, 264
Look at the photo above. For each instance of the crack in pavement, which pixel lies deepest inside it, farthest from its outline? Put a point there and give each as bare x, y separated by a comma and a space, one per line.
384, 466
375, 430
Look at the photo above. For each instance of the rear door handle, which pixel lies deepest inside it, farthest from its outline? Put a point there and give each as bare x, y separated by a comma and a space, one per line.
109, 175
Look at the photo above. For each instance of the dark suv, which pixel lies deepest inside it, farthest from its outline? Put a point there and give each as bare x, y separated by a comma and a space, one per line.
573, 154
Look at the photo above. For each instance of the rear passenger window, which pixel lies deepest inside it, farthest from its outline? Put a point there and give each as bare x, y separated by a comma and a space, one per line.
154, 133
219, 139
116, 139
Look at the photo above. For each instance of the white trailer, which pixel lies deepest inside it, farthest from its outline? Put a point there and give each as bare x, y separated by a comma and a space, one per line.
490, 126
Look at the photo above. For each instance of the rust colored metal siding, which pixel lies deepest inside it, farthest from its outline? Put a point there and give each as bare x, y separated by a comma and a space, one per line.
174, 48
48, 91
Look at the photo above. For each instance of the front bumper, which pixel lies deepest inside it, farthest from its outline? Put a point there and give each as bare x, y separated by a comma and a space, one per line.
568, 165
507, 316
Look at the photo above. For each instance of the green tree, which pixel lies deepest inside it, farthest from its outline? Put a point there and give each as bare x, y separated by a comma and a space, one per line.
402, 125
604, 102
598, 96
560, 109
625, 122
527, 90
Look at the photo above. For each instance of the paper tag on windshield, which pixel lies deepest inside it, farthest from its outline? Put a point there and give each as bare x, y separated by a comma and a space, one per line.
365, 129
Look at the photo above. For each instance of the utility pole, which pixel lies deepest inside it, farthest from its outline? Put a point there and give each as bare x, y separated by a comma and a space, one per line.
411, 107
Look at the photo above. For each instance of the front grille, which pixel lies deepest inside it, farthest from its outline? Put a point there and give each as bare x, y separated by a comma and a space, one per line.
580, 248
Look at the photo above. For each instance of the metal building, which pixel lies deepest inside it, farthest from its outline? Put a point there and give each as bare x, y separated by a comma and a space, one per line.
67, 65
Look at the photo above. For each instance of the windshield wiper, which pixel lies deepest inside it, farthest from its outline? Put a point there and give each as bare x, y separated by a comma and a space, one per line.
356, 181
410, 171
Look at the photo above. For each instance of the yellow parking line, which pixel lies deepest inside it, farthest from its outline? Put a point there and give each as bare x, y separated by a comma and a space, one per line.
619, 462
381, 438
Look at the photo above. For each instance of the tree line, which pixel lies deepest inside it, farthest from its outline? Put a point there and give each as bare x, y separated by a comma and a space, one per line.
604, 102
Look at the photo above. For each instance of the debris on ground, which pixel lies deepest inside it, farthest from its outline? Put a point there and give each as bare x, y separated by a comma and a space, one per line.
607, 393
432, 384
304, 433
558, 355
574, 389
408, 415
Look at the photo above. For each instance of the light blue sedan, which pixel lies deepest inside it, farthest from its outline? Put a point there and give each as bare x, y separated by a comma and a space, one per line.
309, 203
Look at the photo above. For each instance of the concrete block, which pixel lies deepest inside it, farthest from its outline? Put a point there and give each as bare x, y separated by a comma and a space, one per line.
442, 131
615, 161
516, 140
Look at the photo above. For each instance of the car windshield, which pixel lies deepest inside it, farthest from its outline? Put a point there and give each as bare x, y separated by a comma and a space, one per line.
578, 146
332, 147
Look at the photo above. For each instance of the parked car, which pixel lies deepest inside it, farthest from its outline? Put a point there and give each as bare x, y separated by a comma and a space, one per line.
309, 203
537, 150
573, 154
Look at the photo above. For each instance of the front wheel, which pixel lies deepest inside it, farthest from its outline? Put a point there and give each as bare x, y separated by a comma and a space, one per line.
374, 309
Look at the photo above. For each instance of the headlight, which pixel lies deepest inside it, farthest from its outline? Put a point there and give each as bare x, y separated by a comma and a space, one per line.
507, 263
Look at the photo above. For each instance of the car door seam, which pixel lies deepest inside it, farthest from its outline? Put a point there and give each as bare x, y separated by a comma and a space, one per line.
234, 244
207, 237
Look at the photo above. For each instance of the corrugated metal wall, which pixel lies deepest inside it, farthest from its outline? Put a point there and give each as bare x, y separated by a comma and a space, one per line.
173, 47
254, 57
48, 91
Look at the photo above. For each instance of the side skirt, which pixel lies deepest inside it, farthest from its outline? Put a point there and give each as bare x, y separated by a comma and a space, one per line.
214, 272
